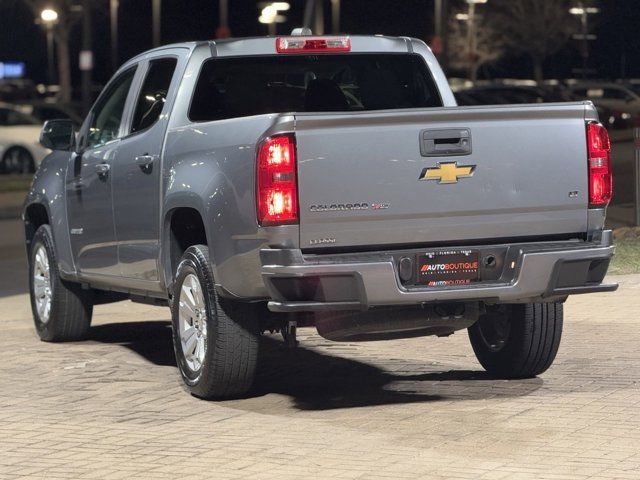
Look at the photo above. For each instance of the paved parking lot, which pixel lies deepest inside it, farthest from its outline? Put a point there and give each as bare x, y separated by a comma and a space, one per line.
113, 406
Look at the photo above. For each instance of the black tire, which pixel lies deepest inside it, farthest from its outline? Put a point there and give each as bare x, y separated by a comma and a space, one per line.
518, 341
69, 316
231, 339
17, 160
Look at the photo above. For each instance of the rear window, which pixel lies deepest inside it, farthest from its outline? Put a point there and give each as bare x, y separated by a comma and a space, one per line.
239, 87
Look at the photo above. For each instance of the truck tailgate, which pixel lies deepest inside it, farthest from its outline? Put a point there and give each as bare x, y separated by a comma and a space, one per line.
521, 172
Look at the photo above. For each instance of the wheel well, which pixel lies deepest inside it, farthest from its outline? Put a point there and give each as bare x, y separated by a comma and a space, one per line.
34, 216
21, 149
186, 229
16, 147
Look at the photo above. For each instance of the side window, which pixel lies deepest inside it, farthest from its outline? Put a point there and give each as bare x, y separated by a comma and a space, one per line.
106, 116
153, 93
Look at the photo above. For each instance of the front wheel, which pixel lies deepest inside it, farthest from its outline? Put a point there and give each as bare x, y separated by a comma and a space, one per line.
215, 340
518, 341
61, 310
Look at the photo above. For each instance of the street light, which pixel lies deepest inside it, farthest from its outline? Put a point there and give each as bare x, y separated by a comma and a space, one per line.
470, 18
584, 12
270, 15
49, 18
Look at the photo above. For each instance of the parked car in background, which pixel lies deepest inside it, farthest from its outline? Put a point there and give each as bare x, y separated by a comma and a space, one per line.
20, 149
16, 89
44, 111
611, 94
617, 97
508, 94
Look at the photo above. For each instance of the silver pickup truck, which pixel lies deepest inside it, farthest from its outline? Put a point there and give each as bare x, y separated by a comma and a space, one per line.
271, 183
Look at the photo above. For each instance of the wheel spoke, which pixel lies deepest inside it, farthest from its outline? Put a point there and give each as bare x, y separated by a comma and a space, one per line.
39, 286
186, 312
199, 353
189, 340
187, 296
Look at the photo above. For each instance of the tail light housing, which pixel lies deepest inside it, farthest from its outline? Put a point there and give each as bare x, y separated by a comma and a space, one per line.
600, 178
277, 186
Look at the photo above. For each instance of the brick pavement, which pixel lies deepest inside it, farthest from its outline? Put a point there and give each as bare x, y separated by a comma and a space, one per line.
113, 406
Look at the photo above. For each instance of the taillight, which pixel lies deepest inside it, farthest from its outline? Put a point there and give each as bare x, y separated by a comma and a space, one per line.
277, 189
313, 44
600, 178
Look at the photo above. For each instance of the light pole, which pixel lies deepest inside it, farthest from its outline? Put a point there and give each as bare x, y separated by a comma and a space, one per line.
224, 13
583, 12
223, 30
156, 8
49, 18
86, 55
470, 18
115, 4
335, 16
440, 40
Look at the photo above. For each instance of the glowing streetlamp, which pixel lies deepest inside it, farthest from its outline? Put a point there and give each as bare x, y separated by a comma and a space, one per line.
49, 18
270, 15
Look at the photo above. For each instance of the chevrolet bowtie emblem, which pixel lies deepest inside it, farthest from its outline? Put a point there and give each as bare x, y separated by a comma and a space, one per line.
447, 172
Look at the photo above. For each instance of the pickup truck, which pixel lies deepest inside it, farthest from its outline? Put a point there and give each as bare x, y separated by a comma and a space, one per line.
265, 184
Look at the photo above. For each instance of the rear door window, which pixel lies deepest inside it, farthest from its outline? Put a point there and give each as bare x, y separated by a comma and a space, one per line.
153, 94
238, 87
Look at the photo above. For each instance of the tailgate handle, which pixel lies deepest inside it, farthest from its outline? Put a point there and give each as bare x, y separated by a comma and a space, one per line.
444, 143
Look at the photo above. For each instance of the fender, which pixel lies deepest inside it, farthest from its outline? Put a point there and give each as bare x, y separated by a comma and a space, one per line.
48, 190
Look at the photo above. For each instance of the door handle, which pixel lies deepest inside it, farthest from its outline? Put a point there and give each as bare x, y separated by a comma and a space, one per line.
145, 162
103, 170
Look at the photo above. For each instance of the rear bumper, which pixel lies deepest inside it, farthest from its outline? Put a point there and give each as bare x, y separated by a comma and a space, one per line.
543, 271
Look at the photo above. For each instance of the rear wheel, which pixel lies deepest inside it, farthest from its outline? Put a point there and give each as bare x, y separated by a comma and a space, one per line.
18, 160
215, 340
518, 341
61, 310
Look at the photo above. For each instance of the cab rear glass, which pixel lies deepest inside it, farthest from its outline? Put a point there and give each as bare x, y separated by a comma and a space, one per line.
244, 86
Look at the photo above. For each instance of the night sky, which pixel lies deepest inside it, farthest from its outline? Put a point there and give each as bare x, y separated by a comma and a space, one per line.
615, 53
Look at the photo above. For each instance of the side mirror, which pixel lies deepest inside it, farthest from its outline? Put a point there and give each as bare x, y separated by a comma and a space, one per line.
58, 135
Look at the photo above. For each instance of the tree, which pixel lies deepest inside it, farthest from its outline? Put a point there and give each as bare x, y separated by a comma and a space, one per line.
488, 44
537, 28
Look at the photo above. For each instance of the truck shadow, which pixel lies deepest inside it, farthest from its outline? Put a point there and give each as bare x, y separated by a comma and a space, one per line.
320, 381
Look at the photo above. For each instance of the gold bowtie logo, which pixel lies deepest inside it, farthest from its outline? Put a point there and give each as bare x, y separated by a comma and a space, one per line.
447, 172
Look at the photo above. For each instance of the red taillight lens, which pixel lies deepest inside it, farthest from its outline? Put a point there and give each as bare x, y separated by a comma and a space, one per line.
277, 188
313, 44
600, 178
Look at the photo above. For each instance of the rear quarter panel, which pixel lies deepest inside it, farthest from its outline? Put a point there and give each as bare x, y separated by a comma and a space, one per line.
210, 167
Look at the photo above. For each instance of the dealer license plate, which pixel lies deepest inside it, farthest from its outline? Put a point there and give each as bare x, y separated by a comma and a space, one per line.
445, 268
